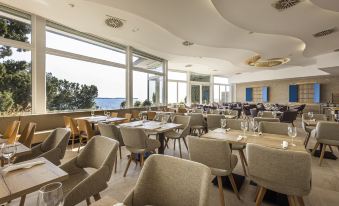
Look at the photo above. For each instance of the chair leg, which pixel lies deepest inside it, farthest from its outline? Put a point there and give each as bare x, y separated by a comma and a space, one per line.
88, 201
127, 166
234, 186
180, 147
22, 200
142, 159
322, 154
97, 197
291, 201
166, 142
241, 152
262, 192
315, 148
301, 201
185, 143
330, 148
307, 139
80, 140
120, 152
115, 164
73, 138
243, 164
221, 191
174, 144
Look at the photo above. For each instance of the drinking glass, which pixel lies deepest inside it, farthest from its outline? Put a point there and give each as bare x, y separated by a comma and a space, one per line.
310, 115
92, 113
292, 132
274, 114
260, 114
336, 117
108, 115
144, 118
8, 151
254, 127
244, 127
51, 195
223, 123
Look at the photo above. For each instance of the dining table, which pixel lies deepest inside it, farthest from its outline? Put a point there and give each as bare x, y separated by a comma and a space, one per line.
19, 183
106, 201
21, 150
101, 119
154, 127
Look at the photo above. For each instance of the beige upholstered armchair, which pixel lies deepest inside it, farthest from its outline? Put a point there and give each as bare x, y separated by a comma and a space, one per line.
266, 119
99, 154
158, 186
213, 121
53, 148
198, 123
308, 129
278, 128
217, 155
284, 171
327, 134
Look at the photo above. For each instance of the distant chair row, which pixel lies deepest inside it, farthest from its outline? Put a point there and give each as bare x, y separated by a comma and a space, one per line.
26, 137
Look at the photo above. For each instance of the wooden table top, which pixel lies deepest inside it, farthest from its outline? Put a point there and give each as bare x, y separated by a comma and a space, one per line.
105, 201
267, 140
101, 118
24, 181
153, 126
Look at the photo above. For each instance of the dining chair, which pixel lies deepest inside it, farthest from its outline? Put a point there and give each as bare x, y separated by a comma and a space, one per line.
27, 135
182, 110
53, 148
213, 121
265, 119
169, 181
128, 117
159, 117
137, 143
309, 129
289, 117
114, 114
151, 115
135, 115
85, 131
267, 114
278, 128
217, 155
198, 123
183, 131
72, 125
112, 131
326, 133
11, 132
99, 155
283, 171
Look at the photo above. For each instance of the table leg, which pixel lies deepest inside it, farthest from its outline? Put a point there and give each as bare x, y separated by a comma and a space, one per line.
162, 143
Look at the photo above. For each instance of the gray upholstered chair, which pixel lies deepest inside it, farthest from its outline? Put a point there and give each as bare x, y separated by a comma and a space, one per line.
213, 121
327, 134
157, 184
184, 130
197, 123
137, 143
283, 171
235, 124
53, 148
267, 114
234, 112
308, 129
265, 119
111, 131
279, 128
99, 154
217, 155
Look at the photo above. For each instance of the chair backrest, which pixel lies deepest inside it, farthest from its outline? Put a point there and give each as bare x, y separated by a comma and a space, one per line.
128, 117
317, 117
27, 134
289, 116
135, 114
254, 112
71, 124
155, 186
114, 114
328, 131
211, 152
273, 127
213, 121
234, 112
85, 128
284, 171
111, 131
185, 122
151, 115
12, 131
98, 153
162, 116
196, 110
57, 139
262, 119
134, 137
182, 110
267, 114
234, 123
197, 119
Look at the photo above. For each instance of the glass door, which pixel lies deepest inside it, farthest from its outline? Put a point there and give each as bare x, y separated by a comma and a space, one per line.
200, 94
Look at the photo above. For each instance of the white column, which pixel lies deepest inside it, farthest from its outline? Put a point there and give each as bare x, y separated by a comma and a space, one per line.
38, 65
188, 88
129, 77
165, 82
212, 89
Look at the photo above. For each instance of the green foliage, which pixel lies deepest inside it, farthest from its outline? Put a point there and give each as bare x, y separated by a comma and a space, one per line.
147, 103
154, 98
6, 101
123, 104
137, 103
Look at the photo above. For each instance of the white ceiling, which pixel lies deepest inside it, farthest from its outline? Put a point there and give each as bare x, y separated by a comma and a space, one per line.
221, 29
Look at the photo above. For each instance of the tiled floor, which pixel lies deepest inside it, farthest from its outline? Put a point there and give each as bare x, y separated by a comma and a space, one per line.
325, 182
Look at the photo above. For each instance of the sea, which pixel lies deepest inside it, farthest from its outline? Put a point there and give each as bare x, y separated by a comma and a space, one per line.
108, 103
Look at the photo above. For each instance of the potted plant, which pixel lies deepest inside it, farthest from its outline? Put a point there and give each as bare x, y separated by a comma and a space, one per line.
123, 104
137, 103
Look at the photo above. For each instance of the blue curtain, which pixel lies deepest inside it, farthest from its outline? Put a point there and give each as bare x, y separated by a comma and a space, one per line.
316, 97
293, 93
249, 94
265, 94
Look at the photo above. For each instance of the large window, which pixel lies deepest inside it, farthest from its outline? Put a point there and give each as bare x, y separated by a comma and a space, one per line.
74, 84
222, 91
177, 87
15, 65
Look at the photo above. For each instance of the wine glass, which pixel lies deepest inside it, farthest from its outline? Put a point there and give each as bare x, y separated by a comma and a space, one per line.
310, 115
223, 123
244, 127
254, 127
336, 117
292, 132
274, 114
144, 118
51, 195
92, 113
8, 151
260, 113
108, 115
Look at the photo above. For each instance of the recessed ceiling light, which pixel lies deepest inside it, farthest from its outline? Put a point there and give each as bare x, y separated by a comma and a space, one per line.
325, 32
214, 70
336, 50
71, 5
238, 73
250, 32
187, 43
114, 22
136, 29
188, 65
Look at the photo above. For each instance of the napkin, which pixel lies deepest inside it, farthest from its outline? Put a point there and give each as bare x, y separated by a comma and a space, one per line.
119, 204
284, 145
22, 166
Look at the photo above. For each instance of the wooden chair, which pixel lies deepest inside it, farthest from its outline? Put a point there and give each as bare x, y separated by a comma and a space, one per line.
85, 131
12, 132
135, 114
128, 117
71, 124
27, 135
151, 115
114, 114
182, 110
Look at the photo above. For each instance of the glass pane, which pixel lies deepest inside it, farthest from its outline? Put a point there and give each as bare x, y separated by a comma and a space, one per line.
15, 28
228, 94
216, 93
15, 81
172, 92
73, 84
195, 94
147, 63
205, 94
220, 80
177, 76
182, 92
152, 91
222, 94
200, 78
73, 45
140, 85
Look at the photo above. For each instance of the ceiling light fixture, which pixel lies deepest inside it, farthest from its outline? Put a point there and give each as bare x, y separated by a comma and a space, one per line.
325, 32
187, 43
188, 65
282, 5
114, 22
71, 5
336, 50
257, 61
